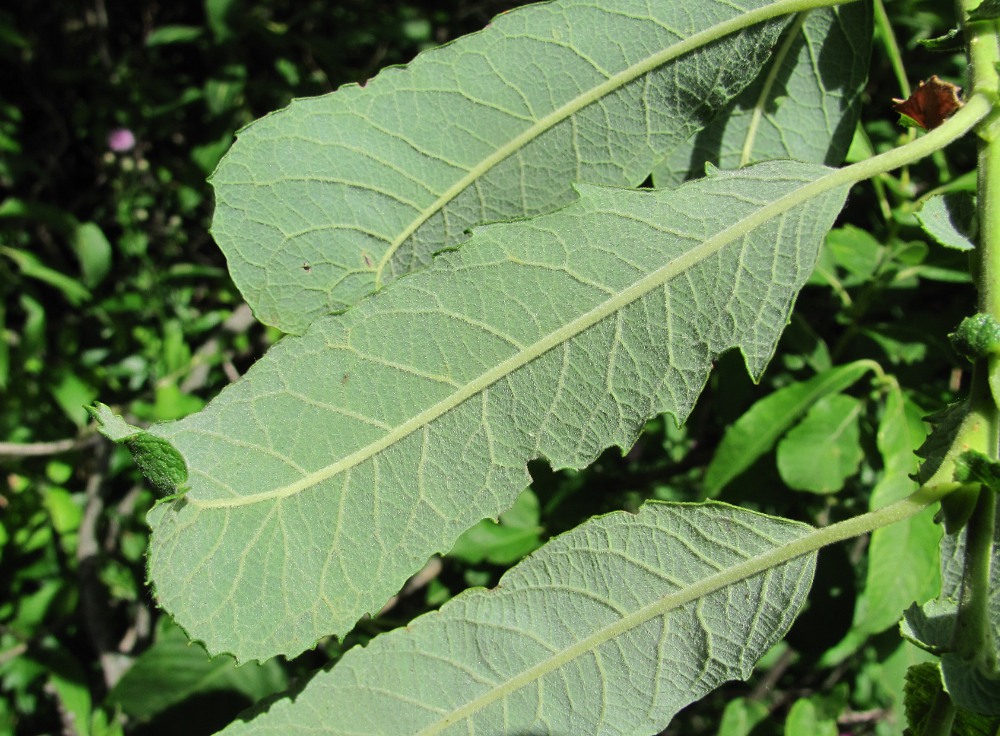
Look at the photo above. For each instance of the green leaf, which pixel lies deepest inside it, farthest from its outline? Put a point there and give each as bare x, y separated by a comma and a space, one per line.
923, 685
804, 105
159, 461
950, 219
93, 251
321, 203
987, 10
220, 15
72, 394
817, 714
757, 431
932, 626
346, 457
977, 337
68, 681
5, 341
165, 35
823, 450
975, 466
173, 670
33, 268
902, 558
635, 611
855, 251
506, 541
741, 716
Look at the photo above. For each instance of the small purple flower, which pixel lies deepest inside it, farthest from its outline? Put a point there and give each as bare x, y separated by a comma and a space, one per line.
121, 140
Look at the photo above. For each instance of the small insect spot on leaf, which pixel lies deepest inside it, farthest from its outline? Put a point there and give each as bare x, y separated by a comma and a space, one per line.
367, 259
930, 104
307, 267
343, 380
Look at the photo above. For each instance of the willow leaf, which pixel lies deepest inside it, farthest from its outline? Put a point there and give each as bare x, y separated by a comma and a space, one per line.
349, 455
319, 204
608, 629
804, 105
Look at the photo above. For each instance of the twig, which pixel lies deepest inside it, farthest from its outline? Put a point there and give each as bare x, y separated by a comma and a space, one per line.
38, 449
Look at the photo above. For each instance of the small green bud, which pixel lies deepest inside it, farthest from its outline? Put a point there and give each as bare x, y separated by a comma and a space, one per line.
977, 337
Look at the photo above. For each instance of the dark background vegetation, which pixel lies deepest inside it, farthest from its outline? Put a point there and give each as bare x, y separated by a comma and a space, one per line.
112, 289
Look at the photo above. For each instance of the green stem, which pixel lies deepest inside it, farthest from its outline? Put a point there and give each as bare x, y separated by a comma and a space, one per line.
977, 108
987, 253
791, 37
973, 639
811, 542
888, 38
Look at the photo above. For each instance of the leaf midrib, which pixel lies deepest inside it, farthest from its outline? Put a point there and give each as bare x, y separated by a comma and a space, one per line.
760, 563
626, 296
691, 43
811, 541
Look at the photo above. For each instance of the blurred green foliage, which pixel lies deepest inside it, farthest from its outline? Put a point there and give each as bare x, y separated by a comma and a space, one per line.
112, 116
111, 288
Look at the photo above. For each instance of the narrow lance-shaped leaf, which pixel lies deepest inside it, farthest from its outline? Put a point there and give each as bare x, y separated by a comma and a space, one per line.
349, 455
609, 629
319, 204
891, 587
804, 104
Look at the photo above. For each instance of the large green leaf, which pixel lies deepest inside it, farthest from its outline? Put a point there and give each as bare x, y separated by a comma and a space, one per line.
319, 204
803, 106
349, 455
609, 629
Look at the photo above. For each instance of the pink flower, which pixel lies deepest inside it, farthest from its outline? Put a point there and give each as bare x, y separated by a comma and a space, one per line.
121, 140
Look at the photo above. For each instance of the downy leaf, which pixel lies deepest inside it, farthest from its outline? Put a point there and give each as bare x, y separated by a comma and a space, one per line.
608, 629
321, 203
346, 457
950, 219
804, 105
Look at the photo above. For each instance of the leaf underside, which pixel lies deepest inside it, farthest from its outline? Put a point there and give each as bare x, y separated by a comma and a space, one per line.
804, 105
346, 457
624, 609
322, 202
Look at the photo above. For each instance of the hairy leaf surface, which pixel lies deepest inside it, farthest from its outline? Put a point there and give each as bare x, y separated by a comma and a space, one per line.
319, 204
608, 629
804, 105
349, 455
